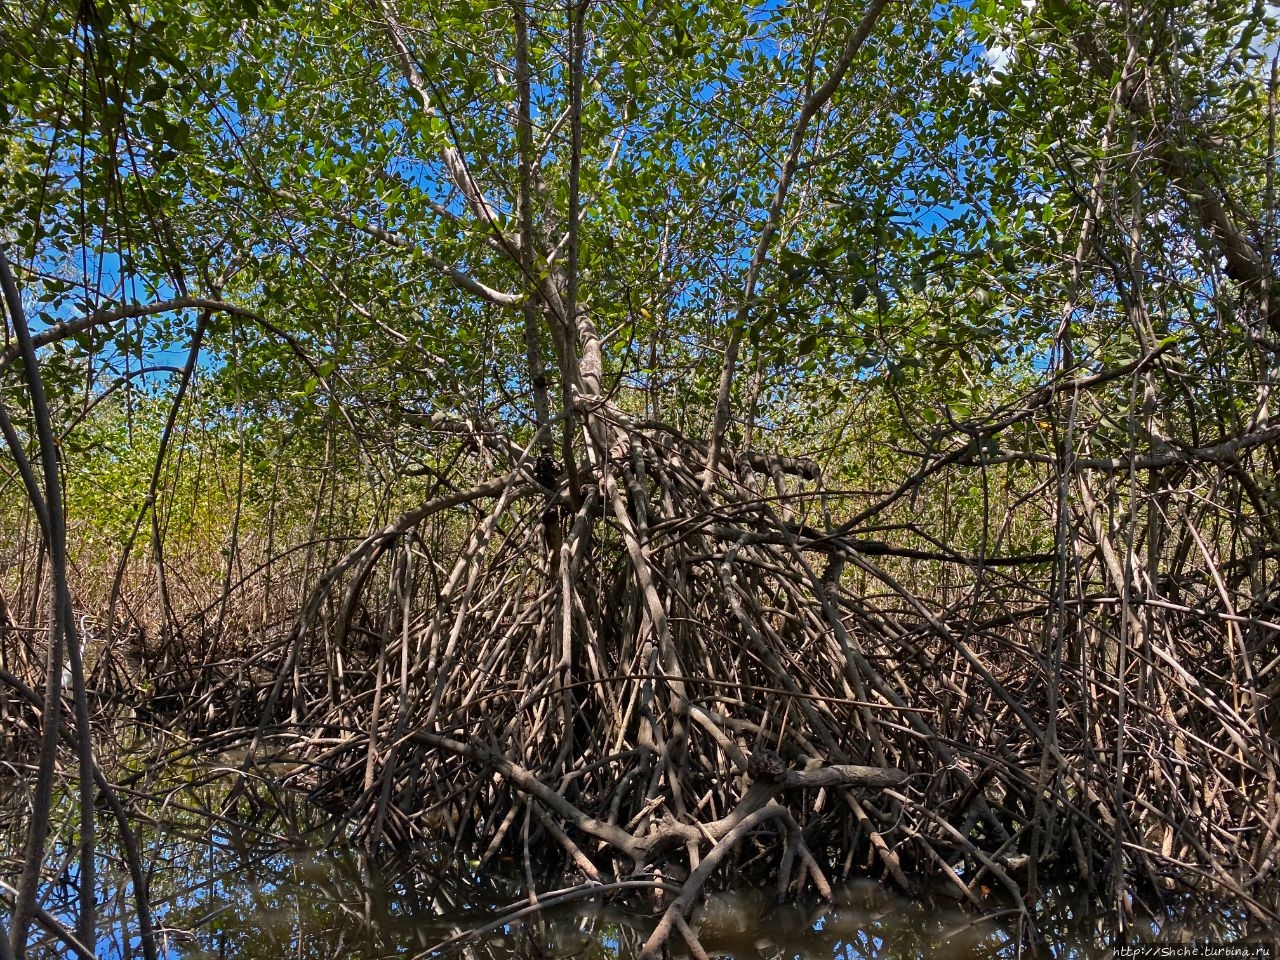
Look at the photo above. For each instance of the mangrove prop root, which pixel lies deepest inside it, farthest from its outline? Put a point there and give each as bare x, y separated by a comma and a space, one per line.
658, 668
652, 676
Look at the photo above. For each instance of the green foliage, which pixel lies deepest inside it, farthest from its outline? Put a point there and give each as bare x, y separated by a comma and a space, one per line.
276, 155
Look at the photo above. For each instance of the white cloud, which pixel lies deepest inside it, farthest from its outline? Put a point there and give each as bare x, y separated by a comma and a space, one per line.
997, 58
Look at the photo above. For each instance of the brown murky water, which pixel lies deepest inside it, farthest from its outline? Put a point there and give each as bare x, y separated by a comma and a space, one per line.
274, 890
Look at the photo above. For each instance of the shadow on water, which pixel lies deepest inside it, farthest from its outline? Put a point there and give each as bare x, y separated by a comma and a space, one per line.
247, 874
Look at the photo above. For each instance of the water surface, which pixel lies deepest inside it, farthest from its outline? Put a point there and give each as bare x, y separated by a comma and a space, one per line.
251, 875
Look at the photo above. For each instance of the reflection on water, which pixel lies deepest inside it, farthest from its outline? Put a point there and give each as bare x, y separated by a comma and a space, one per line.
336, 904
222, 889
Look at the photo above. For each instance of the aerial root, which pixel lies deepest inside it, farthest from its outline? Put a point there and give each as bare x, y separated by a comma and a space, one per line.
629, 672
